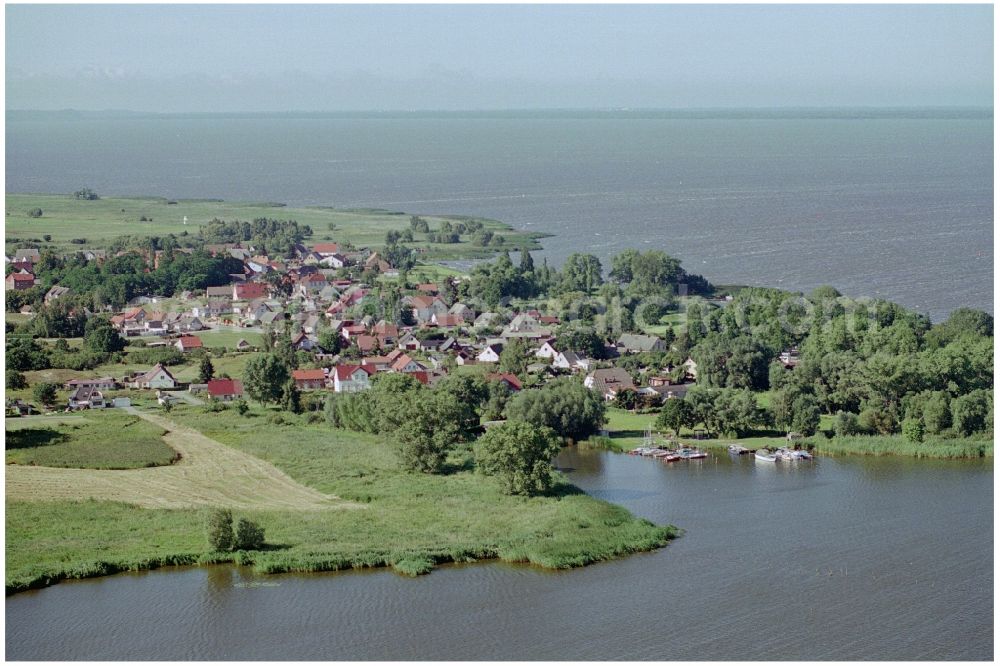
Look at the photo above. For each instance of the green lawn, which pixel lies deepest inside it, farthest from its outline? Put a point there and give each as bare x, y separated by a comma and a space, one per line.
103, 439
99, 222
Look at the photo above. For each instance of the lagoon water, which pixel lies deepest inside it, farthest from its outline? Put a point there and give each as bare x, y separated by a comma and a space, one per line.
892, 206
842, 558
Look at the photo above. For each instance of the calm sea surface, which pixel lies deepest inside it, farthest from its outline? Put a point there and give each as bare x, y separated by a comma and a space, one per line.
849, 558
893, 207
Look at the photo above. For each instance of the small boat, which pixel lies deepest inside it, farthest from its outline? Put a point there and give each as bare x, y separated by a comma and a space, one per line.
765, 455
662, 453
798, 454
738, 450
673, 456
696, 454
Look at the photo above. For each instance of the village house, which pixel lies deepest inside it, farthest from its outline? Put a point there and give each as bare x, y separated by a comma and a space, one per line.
248, 291
447, 320
403, 363
188, 343
608, 382
571, 361
225, 390
464, 311
20, 281
425, 307
54, 293
157, 378
491, 354
243, 346
104, 383
309, 379
351, 378
634, 344
87, 397
511, 380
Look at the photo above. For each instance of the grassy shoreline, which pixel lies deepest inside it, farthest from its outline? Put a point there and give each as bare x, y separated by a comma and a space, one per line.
98, 222
625, 432
427, 519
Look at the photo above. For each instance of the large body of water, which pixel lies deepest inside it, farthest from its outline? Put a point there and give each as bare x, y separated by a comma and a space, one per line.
850, 558
893, 206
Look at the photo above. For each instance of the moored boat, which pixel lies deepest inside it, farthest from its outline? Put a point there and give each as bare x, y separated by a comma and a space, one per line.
765, 455
738, 450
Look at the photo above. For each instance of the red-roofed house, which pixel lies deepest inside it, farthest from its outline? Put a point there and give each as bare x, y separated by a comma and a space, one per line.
225, 389
247, 291
326, 249
406, 364
188, 342
512, 382
20, 281
366, 343
350, 378
447, 320
428, 288
309, 379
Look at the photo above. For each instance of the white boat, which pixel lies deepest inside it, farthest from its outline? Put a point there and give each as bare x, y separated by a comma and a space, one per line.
765, 455
738, 450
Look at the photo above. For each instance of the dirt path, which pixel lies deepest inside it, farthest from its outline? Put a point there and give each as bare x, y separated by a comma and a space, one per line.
208, 474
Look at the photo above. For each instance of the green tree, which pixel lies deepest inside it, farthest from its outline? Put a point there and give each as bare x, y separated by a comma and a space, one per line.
249, 535
430, 426
291, 397
515, 357
676, 414
564, 405
45, 393
519, 455
845, 424
972, 413
581, 272
805, 415
205, 369
100, 336
220, 530
264, 378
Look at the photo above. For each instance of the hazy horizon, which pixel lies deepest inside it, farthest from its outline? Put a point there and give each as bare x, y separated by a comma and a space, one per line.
396, 58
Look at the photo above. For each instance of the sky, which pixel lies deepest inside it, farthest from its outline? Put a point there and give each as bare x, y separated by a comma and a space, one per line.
176, 58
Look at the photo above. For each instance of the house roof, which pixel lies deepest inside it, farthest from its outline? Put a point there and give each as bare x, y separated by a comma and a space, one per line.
225, 290
153, 372
510, 379
225, 387
326, 248
366, 343
346, 372
302, 375
636, 341
190, 342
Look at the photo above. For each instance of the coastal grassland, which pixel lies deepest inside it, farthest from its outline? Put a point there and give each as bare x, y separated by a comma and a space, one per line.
406, 520
104, 439
410, 521
896, 445
48, 541
99, 222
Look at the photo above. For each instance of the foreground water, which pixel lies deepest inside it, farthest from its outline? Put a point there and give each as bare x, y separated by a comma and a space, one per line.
897, 207
850, 558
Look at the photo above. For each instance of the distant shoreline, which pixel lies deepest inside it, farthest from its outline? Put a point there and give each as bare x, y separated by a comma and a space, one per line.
707, 113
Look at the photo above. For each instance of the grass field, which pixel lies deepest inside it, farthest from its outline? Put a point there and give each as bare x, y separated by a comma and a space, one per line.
897, 445
99, 222
104, 439
407, 520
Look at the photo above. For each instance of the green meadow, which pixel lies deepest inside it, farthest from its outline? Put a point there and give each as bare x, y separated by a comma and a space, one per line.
99, 222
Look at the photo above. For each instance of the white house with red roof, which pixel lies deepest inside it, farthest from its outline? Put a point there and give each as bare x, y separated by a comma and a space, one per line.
188, 343
225, 389
351, 378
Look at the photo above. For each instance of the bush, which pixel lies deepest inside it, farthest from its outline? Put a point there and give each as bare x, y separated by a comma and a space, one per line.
45, 393
241, 407
36, 212
249, 535
15, 380
220, 530
913, 430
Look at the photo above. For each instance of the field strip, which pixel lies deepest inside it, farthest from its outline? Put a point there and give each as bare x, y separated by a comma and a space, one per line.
208, 474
